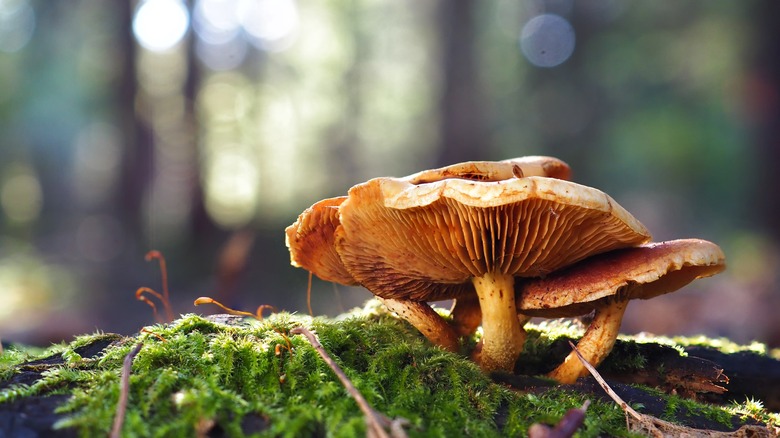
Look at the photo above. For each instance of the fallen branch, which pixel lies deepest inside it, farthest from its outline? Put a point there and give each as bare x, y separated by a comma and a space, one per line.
124, 391
655, 427
377, 422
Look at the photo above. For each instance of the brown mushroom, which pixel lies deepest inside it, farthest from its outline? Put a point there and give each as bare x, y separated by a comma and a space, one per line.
453, 237
450, 232
606, 282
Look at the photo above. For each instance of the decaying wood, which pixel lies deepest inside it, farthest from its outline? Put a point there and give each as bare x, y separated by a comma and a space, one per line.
751, 375
664, 368
655, 427
704, 374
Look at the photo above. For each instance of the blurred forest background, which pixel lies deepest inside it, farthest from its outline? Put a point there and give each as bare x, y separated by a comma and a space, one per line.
202, 128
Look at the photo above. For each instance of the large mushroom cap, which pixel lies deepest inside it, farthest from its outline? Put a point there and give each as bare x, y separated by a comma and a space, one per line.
425, 241
642, 272
311, 237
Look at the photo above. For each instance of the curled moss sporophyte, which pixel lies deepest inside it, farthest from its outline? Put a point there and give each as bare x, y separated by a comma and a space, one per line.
463, 232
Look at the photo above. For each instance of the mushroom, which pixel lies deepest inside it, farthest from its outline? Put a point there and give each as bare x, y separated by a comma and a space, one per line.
606, 282
457, 232
457, 236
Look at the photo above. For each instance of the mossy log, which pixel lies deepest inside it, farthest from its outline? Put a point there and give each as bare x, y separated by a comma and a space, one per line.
240, 377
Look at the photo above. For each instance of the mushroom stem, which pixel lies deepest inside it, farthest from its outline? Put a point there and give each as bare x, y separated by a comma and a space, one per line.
595, 345
502, 335
426, 320
467, 316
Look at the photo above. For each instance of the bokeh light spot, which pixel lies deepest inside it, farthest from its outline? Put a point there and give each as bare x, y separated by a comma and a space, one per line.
231, 187
21, 196
17, 22
271, 23
159, 25
216, 21
547, 40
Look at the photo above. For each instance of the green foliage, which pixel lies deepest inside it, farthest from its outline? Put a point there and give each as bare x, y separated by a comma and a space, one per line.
193, 375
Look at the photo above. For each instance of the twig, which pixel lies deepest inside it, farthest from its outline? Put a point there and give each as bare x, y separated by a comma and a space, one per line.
377, 422
124, 391
623, 405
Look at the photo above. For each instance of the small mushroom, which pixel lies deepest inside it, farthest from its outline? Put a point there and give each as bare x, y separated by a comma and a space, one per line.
606, 282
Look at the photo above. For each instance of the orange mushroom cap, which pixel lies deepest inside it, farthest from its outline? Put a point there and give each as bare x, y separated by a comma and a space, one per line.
311, 238
642, 272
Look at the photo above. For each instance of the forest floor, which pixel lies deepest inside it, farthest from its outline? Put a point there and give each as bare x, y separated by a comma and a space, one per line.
229, 376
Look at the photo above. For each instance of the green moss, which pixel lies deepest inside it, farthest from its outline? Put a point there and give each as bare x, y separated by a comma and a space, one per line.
754, 409
194, 375
721, 344
678, 407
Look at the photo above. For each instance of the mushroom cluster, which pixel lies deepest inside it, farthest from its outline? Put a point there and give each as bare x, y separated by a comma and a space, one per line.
506, 240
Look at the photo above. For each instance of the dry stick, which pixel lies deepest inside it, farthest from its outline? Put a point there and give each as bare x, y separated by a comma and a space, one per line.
376, 421
623, 405
124, 391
